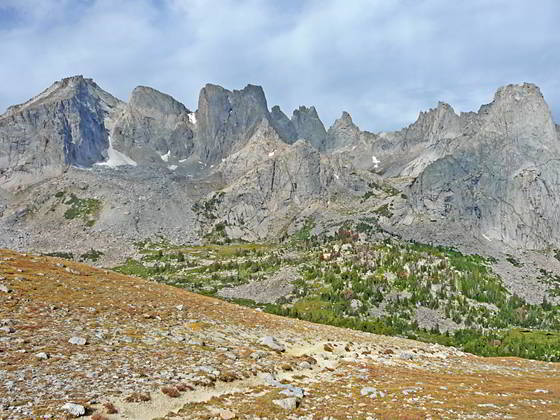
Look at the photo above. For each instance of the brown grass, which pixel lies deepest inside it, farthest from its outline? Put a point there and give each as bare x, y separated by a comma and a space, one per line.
171, 391
138, 397
110, 408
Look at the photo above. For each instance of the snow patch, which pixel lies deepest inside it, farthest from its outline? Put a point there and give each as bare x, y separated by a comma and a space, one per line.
271, 153
172, 167
336, 176
116, 158
486, 237
375, 161
192, 118
165, 157
182, 160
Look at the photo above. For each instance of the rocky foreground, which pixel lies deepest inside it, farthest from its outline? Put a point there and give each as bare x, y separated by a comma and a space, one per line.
79, 341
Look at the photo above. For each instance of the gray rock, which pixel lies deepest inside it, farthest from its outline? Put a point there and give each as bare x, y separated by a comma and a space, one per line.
154, 129
342, 133
283, 125
308, 126
79, 341
287, 403
227, 119
407, 356
42, 355
73, 409
371, 392
64, 125
279, 285
4, 288
497, 178
272, 343
7, 330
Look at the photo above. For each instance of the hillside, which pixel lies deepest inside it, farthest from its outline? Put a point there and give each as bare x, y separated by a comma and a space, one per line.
191, 356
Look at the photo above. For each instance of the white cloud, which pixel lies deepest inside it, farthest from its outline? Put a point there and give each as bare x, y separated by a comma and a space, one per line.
382, 61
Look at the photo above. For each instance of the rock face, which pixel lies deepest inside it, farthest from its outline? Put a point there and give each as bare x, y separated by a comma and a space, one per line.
278, 186
283, 125
342, 133
154, 128
492, 173
309, 126
227, 119
503, 176
65, 125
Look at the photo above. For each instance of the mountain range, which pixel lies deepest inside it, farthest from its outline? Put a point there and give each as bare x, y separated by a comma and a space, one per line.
446, 231
76, 162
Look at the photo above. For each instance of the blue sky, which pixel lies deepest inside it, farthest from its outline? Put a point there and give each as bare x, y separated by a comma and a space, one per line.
383, 61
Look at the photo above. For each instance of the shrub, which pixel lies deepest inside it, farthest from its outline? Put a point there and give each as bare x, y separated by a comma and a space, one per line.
138, 397
171, 391
110, 407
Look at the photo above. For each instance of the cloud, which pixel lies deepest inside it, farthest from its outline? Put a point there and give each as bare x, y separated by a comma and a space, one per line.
383, 61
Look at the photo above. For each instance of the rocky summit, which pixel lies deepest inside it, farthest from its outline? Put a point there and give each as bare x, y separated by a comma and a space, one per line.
446, 231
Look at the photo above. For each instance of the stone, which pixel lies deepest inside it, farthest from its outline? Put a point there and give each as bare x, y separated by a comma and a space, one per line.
287, 403
42, 355
283, 126
227, 415
7, 330
371, 392
4, 288
308, 126
73, 409
272, 343
407, 356
64, 125
79, 341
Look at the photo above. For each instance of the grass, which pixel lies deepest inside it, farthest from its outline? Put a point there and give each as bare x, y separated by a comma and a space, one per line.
86, 209
91, 255
61, 303
384, 211
343, 288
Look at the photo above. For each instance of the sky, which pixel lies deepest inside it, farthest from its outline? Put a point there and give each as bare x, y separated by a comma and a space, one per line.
383, 61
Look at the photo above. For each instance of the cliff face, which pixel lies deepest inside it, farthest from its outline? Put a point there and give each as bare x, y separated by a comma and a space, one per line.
309, 126
227, 119
503, 177
154, 128
65, 125
495, 172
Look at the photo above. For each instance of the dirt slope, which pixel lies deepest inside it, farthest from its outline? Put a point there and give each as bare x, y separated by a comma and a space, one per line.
143, 338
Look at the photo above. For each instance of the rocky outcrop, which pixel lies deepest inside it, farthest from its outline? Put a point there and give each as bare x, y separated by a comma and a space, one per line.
342, 133
283, 125
308, 126
264, 144
154, 128
227, 119
495, 172
502, 178
264, 199
64, 125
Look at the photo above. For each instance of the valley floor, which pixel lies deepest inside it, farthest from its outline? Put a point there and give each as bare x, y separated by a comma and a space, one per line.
190, 356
